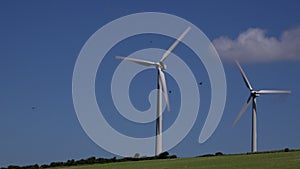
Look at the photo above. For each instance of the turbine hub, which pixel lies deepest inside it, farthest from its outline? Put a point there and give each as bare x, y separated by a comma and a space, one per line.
254, 93
162, 66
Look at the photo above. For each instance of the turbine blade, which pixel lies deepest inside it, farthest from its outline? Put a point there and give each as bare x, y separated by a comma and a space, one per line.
242, 111
164, 87
138, 61
168, 52
274, 92
244, 75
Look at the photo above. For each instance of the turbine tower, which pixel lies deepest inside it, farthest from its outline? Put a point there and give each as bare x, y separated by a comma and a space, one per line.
253, 95
161, 86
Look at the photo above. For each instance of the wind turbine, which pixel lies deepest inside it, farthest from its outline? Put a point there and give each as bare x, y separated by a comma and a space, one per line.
253, 95
161, 85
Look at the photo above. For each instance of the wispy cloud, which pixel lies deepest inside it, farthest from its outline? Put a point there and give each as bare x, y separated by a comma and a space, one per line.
254, 45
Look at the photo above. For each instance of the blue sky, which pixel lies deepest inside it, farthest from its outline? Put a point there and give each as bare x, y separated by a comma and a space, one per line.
40, 42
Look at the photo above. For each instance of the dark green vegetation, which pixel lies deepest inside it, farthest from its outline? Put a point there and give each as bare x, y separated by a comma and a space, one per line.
272, 160
93, 160
277, 160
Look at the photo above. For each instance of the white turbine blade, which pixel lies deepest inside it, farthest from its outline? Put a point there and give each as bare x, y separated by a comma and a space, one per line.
168, 52
274, 92
164, 87
244, 75
242, 111
138, 61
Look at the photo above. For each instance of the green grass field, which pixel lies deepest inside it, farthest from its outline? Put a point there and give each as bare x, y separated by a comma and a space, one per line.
278, 160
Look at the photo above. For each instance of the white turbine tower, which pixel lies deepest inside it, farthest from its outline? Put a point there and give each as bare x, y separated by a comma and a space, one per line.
253, 95
161, 85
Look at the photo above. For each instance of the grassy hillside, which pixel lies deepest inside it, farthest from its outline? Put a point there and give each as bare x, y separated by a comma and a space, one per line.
277, 160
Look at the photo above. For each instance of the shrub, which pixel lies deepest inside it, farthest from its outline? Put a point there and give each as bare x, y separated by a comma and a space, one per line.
13, 167
163, 155
136, 155
173, 156
219, 153
207, 155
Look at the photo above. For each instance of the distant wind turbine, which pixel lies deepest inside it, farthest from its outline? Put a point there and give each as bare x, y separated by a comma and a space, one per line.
161, 85
253, 95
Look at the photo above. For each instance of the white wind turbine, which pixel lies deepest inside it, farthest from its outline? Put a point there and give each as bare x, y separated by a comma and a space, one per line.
253, 95
161, 85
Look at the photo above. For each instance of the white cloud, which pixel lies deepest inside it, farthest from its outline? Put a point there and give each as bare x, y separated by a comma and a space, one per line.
254, 46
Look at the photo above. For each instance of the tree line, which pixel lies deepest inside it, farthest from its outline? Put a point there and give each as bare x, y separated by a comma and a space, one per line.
136, 157
92, 160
